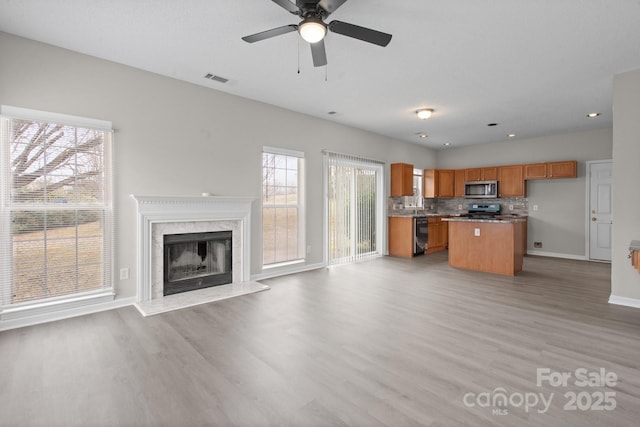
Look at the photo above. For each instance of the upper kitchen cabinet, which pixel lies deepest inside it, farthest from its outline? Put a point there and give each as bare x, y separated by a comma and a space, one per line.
535, 171
401, 179
481, 174
550, 170
567, 169
439, 183
511, 181
458, 184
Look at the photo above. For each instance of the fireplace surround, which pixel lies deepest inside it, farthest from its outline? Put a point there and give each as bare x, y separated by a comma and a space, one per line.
166, 215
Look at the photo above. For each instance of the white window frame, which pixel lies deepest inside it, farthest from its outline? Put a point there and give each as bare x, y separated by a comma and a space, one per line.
40, 309
301, 206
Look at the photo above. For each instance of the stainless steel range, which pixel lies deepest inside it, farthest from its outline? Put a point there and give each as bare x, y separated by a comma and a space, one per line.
482, 210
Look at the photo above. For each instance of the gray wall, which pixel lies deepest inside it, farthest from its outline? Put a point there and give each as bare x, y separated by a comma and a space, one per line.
176, 138
625, 281
559, 222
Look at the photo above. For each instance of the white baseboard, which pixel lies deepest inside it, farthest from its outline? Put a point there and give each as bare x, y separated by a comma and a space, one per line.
629, 302
294, 268
19, 322
557, 255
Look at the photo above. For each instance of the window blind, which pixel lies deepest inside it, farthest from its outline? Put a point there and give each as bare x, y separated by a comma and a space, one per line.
56, 231
354, 207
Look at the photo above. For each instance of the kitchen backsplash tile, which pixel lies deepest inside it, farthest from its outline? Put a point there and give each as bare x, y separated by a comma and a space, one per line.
397, 206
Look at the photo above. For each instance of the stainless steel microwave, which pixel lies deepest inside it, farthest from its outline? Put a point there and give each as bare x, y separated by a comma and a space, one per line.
481, 189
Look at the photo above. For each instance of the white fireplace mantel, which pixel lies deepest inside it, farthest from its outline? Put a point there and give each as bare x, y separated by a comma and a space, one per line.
167, 209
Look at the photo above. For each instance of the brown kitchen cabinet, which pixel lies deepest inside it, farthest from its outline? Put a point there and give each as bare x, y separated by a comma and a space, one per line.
566, 169
481, 174
458, 183
511, 181
438, 234
439, 183
551, 170
401, 179
535, 171
401, 236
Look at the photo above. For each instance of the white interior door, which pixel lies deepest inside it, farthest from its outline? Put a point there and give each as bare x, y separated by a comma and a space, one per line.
600, 215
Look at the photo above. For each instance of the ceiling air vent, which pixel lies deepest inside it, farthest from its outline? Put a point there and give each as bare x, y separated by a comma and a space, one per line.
216, 78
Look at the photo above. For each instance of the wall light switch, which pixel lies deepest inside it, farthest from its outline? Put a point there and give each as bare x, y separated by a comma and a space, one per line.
476, 231
535, 207
124, 274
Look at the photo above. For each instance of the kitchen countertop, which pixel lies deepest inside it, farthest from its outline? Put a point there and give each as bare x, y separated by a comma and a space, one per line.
501, 220
420, 215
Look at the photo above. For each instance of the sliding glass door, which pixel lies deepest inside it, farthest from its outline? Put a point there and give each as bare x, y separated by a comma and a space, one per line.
354, 207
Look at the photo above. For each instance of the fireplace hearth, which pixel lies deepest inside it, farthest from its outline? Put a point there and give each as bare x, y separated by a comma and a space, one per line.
196, 261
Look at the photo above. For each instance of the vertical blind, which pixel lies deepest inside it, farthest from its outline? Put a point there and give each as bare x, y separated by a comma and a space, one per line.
56, 211
354, 207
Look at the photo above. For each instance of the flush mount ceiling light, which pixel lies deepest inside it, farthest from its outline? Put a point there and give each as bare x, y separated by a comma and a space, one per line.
312, 29
424, 113
511, 135
593, 115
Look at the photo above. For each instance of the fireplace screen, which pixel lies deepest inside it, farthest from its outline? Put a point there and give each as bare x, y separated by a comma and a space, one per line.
196, 260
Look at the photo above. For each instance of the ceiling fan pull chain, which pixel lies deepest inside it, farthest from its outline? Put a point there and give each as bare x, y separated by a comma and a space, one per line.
298, 55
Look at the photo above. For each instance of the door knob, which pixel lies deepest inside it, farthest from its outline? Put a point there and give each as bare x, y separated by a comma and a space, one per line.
593, 219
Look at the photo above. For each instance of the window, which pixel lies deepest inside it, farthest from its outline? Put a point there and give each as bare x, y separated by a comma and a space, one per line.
282, 206
56, 209
354, 208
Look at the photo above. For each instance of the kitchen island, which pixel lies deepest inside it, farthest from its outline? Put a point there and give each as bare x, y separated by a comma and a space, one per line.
489, 245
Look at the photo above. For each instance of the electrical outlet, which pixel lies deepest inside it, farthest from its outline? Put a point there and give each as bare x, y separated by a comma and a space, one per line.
510, 207
459, 207
124, 274
476, 232
537, 244
308, 249
535, 207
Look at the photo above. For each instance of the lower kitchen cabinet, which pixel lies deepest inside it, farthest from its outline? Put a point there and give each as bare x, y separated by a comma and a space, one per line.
401, 236
438, 234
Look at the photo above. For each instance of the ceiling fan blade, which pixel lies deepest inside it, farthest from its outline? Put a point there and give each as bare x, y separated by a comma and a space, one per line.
270, 33
331, 5
360, 33
286, 4
318, 53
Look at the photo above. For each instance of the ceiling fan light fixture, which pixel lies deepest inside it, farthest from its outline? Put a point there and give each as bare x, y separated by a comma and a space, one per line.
424, 113
312, 30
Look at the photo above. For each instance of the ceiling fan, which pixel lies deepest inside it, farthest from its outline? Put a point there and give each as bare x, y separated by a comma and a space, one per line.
312, 28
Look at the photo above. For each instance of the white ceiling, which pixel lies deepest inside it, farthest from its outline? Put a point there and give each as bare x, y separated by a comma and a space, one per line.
535, 67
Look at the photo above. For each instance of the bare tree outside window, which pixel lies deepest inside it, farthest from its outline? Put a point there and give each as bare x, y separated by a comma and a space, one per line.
56, 208
280, 208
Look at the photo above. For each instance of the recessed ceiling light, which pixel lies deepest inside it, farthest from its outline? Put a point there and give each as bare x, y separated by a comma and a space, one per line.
447, 144
422, 135
424, 113
492, 124
593, 115
512, 135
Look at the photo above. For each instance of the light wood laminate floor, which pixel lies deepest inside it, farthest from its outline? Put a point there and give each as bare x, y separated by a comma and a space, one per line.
387, 342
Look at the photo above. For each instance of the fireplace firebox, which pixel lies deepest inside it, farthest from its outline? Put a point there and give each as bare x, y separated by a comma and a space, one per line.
196, 260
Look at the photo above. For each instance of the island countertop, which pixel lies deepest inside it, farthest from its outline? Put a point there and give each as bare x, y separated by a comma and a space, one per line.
498, 220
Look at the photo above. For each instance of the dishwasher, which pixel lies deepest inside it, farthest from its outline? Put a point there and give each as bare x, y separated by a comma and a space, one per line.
420, 235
